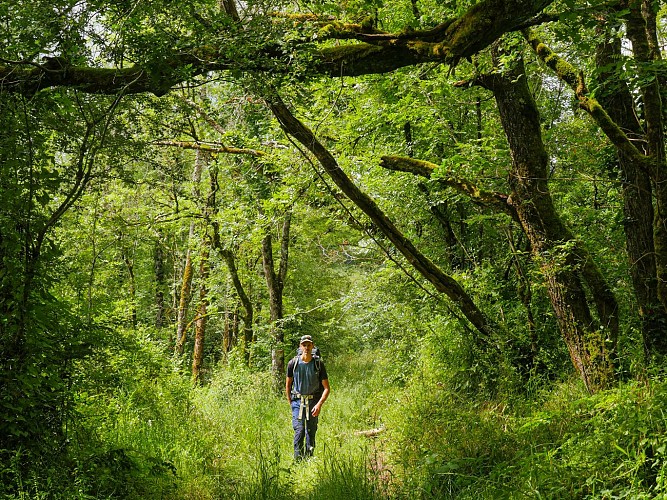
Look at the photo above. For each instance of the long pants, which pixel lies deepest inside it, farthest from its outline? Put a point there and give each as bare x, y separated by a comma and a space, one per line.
304, 432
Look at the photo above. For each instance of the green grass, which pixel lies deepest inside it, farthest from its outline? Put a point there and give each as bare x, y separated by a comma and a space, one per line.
157, 437
566, 445
233, 437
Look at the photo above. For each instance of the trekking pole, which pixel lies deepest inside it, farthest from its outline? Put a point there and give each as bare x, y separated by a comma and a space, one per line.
304, 416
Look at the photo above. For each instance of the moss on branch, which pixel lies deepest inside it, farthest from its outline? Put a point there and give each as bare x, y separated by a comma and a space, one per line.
374, 52
209, 148
484, 23
575, 80
487, 199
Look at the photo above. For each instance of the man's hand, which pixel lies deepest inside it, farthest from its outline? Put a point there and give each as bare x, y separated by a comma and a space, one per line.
325, 395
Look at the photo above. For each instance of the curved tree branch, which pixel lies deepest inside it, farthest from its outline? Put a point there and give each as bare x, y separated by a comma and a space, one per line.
442, 281
575, 80
447, 43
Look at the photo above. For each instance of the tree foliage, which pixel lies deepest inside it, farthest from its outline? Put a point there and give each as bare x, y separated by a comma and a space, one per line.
230, 175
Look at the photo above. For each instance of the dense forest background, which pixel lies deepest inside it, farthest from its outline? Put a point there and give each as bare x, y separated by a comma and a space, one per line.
464, 203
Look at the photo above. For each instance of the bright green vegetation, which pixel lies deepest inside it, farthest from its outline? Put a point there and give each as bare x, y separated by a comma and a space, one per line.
153, 436
463, 202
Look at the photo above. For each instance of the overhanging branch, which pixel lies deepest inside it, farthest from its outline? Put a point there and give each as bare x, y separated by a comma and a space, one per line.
447, 43
442, 281
486, 199
574, 78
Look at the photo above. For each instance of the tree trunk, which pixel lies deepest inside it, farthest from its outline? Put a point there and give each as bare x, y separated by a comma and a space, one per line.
231, 321
230, 259
186, 291
276, 283
133, 288
186, 283
160, 285
639, 30
231, 329
555, 249
236, 323
525, 293
204, 270
200, 318
248, 317
639, 215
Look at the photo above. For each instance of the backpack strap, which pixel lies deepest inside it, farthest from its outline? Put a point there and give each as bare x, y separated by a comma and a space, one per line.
293, 362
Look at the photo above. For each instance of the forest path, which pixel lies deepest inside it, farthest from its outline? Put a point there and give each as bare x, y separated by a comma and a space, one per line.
246, 435
349, 460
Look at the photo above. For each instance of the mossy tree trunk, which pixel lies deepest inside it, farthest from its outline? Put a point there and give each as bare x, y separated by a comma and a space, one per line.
201, 158
564, 263
641, 151
640, 163
204, 272
614, 94
201, 315
644, 48
184, 300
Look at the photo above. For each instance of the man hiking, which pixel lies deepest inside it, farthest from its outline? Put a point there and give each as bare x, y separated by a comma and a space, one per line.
306, 388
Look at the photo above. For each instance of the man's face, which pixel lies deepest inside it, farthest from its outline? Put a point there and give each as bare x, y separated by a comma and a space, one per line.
307, 347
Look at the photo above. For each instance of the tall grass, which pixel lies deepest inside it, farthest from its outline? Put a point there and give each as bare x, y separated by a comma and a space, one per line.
563, 444
231, 438
149, 434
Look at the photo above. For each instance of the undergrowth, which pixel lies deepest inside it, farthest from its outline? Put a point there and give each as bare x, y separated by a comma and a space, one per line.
147, 433
564, 444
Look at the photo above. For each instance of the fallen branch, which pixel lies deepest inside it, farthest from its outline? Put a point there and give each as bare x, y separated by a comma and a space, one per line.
370, 432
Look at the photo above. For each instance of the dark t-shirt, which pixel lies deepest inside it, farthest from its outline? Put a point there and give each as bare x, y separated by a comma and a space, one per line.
304, 375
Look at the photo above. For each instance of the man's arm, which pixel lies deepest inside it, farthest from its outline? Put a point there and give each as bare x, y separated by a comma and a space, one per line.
325, 395
288, 388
